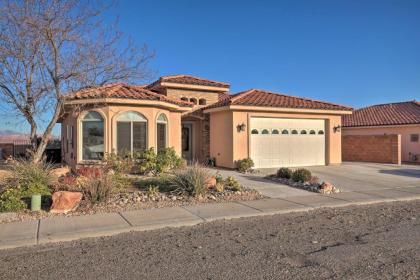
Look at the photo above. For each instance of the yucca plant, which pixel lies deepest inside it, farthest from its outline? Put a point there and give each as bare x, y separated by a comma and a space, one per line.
192, 181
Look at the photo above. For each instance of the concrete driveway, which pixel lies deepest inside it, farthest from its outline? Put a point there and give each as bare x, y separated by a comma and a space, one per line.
357, 176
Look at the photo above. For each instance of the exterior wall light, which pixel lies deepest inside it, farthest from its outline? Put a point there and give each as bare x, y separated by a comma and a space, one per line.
241, 127
337, 128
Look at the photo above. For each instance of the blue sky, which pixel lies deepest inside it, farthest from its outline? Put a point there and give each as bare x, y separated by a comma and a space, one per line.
349, 52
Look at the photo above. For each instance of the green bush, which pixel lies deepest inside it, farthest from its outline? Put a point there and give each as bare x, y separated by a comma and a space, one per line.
301, 175
284, 173
233, 184
11, 200
146, 161
118, 164
192, 181
166, 160
244, 165
153, 191
32, 178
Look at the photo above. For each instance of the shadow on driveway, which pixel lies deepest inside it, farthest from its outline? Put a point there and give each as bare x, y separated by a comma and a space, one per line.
401, 172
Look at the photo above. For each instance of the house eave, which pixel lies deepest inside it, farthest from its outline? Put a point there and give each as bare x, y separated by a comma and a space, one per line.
277, 109
196, 87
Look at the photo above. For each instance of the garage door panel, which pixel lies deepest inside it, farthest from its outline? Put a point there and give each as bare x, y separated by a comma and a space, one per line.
276, 150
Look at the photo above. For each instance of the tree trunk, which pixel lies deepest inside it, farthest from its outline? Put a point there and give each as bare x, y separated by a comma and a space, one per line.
40, 149
33, 137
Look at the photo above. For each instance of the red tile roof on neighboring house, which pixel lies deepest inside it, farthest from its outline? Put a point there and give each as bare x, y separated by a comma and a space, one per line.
188, 80
385, 114
256, 97
124, 91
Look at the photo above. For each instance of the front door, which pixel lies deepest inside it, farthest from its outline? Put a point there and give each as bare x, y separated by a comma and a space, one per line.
187, 141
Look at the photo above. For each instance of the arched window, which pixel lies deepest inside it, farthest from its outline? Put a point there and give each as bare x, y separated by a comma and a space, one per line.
275, 131
131, 133
312, 132
321, 132
202, 101
161, 132
254, 131
303, 132
294, 131
265, 131
284, 131
193, 100
92, 136
184, 99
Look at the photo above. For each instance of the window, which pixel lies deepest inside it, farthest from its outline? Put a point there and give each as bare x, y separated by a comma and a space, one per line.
131, 133
162, 123
294, 131
303, 132
202, 101
284, 131
275, 131
414, 138
265, 131
92, 136
312, 132
321, 132
184, 99
254, 131
193, 100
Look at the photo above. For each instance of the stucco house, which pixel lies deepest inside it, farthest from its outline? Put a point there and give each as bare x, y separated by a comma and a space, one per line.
402, 118
201, 120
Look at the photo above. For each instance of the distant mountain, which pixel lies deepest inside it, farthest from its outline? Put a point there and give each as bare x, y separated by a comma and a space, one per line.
10, 135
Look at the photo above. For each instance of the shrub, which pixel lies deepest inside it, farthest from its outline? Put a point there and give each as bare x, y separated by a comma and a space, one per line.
301, 175
166, 160
146, 161
314, 180
192, 181
285, 173
153, 191
233, 184
90, 172
99, 189
31, 178
118, 164
11, 200
220, 187
219, 177
244, 165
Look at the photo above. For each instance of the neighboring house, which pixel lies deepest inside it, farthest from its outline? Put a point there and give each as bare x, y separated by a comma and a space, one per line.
401, 118
201, 121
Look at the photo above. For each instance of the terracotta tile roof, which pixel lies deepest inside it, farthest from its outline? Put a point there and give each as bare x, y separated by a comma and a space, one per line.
124, 91
257, 97
385, 114
188, 80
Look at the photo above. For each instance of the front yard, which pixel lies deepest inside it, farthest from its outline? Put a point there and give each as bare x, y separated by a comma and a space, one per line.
147, 180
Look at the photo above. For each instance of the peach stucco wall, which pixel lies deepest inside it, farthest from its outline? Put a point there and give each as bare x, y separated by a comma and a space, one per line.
110, 114
228, 145
221, 138
407, 147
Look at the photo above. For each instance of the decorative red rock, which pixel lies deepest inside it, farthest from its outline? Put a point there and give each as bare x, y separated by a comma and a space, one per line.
327, 187
211, 182
64, 202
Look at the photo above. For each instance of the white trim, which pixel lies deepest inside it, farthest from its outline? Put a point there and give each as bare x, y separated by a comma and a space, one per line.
79, 157
381, 126
188, 86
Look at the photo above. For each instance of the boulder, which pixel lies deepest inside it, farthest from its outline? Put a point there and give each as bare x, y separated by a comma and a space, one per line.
211, 182
64, 202
327, 187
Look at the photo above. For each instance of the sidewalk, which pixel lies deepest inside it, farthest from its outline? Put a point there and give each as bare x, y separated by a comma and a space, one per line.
71, 228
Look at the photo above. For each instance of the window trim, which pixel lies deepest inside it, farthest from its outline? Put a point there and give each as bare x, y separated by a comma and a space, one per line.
80, 136
166, 129
131, 129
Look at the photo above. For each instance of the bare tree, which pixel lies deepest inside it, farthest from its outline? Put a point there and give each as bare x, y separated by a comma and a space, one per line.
52, 47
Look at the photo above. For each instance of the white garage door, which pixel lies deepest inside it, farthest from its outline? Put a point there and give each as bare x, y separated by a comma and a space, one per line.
282, 142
